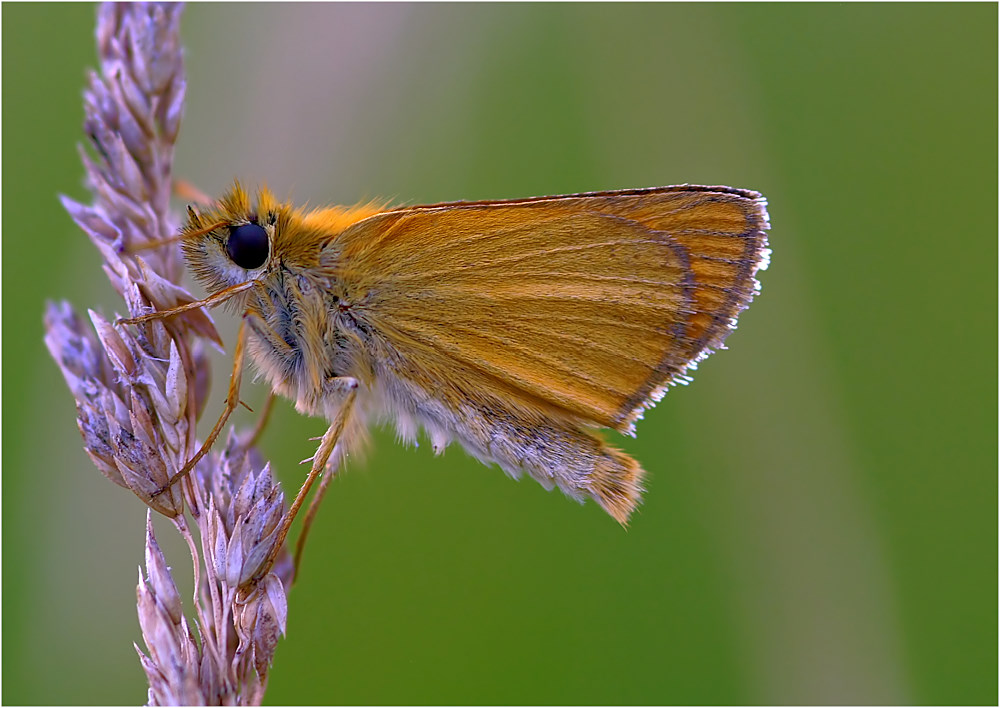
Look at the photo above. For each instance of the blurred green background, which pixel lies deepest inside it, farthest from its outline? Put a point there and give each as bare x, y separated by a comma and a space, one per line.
821, 520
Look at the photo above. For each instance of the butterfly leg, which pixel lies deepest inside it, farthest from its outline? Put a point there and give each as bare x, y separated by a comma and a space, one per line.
232, 401
340, 384
328, 443
210, 301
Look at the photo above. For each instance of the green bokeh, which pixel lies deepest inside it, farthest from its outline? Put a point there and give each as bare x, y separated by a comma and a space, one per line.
821, 520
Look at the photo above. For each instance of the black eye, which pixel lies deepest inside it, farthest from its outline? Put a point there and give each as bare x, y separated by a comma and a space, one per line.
247, 246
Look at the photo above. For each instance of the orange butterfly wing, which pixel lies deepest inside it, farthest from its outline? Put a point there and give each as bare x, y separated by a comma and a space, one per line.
592, 303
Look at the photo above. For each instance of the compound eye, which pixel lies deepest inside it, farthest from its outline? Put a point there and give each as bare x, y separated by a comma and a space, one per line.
247, 246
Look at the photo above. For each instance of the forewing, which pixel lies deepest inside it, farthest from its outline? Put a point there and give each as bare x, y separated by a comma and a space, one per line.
590, 303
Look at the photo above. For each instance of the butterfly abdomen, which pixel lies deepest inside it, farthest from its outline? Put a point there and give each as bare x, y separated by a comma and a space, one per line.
554, 450
579, 463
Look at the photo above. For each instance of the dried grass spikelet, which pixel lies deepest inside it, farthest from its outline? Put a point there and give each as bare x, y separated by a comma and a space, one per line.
140, 390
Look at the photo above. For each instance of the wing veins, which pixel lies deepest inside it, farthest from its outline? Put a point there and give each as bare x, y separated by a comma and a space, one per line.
525, 255
528, 355
565, 336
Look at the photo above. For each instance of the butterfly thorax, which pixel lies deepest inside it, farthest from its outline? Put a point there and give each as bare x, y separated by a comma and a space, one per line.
303, 335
